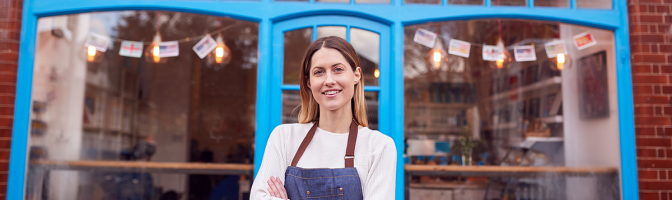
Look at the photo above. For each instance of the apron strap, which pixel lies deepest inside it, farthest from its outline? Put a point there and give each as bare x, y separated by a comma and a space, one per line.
349, 151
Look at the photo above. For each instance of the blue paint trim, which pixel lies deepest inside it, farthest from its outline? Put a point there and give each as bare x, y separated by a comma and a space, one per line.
263, 85
397, 104
18, 155
274, 16
629, 181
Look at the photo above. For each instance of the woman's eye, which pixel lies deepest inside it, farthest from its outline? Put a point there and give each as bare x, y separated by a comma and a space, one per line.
317, 72
338, 69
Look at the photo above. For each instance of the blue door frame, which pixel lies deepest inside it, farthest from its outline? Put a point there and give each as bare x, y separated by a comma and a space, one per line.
270, 15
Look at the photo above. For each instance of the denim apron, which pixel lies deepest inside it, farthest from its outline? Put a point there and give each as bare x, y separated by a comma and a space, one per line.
324, 183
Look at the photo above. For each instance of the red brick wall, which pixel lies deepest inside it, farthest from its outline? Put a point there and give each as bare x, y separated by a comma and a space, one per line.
651, 48
10, 29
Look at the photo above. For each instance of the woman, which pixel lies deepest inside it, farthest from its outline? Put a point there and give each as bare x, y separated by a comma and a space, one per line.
330, 153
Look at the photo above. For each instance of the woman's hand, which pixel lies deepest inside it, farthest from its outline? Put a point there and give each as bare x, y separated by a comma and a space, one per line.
276, 188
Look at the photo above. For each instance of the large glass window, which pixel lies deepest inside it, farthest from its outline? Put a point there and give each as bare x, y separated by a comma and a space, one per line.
510, 109
142, 105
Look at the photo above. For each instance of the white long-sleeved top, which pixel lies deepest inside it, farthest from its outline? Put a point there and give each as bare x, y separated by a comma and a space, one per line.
375, 158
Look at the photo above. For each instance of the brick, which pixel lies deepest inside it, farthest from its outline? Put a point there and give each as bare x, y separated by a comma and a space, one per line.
7, 89
6, 122
647, 195
5, 132
639, 131
641, 79
652, 38
642, 90
651, 18
655, 185
647, 174
652, 100
644, 110
8, 78
653, 142
7, 45
649, 58
652, 120
666, 89
8, 67
646, 153
639, 28
9, 57
10, 35
642, 69
667, 110
654, 163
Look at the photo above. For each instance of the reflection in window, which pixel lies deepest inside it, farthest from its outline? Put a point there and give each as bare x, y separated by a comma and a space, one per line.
537, 113
91, 106
423, 1
603, 4
296, 44
466, 2
333, 1
509, 2
373, 1
291, 102
367, 45
551, 3
324, 31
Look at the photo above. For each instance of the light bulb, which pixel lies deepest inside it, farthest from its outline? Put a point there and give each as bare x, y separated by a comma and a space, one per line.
561, 58
376, 73
219, 52
500, 63
91, 53
155, 52
437, 56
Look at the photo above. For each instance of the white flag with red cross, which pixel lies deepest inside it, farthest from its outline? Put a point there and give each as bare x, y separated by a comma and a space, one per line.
131, 49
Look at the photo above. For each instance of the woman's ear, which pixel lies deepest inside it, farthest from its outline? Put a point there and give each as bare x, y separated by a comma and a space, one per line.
358, 74
308, 82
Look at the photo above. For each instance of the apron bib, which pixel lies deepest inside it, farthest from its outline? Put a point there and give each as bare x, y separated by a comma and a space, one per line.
322, 184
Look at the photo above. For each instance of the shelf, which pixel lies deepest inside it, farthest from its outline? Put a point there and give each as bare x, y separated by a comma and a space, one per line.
141, 166
511, 125
519, 91
440, 105
435, 130
506, 171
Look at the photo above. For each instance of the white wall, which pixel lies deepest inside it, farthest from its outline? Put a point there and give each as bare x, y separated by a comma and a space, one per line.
590, 142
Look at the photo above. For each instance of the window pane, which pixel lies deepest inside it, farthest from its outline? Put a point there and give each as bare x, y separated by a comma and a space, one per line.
373, 1
93, 106
291, 102
540, 113
367, 45
296, 44
551, 3
333, 1
604, 4
466, 2
509, 2
291, 105
324, 31
423, 1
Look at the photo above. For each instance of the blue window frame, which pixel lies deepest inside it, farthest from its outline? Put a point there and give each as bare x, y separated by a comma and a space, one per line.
386, 19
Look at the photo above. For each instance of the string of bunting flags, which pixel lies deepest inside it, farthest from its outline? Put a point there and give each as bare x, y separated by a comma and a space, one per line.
522, 53
206, 44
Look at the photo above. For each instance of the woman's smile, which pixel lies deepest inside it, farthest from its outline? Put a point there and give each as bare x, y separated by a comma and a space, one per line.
331, 93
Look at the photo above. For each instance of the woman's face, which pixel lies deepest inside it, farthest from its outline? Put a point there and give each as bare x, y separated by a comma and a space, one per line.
332, 80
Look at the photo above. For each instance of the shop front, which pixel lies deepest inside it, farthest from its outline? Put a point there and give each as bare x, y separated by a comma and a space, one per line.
484, 99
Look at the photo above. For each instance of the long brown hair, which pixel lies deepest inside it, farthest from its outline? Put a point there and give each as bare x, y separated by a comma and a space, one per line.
310, 110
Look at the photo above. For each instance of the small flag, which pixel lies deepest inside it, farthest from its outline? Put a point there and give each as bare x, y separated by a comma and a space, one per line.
131, 49
100, 42
425, 37
460, 48
205, 46
584, 40
525, 53
493, 53
554, 48
168, 49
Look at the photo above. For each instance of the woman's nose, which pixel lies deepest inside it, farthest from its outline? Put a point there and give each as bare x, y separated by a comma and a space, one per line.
330, 80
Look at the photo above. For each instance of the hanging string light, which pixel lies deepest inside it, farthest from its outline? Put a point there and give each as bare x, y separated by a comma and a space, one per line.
437, 54
153, 50
376, 73
222, 52
91, 53
506, 56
